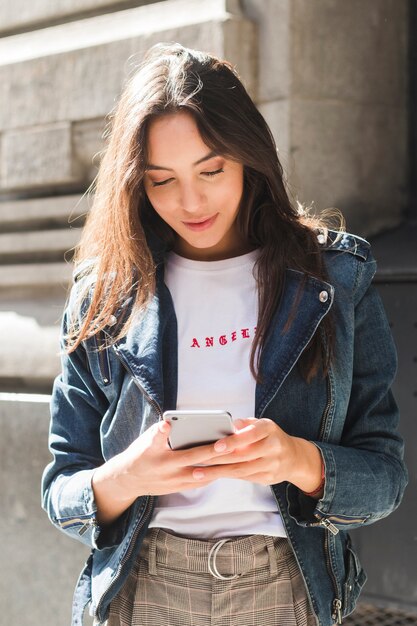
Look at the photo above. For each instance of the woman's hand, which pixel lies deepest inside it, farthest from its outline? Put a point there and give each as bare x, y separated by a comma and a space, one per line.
261, 452
148, 467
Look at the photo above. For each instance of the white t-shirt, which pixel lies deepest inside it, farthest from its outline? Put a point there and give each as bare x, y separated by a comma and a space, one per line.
216, 306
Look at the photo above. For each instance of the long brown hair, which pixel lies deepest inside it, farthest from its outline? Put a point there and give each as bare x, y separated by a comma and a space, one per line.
115, 238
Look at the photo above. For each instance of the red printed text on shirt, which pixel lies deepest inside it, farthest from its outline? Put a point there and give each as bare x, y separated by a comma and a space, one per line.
223, 340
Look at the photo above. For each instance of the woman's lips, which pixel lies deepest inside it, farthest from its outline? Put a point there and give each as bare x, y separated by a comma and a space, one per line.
201, 224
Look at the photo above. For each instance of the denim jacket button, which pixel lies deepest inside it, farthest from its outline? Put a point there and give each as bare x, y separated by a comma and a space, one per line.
321, 238
323, 296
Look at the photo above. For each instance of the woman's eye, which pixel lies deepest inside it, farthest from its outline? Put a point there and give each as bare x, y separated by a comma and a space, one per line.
214, 173
161, 182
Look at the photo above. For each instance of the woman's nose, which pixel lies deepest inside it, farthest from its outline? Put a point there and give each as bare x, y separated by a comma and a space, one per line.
192, 199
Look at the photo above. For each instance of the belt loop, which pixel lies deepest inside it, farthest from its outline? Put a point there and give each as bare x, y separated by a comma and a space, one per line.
273, 569
153, 538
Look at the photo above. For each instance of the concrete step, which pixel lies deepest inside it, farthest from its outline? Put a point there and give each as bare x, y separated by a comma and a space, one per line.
35, 275
38, 245
35, 235
40, 213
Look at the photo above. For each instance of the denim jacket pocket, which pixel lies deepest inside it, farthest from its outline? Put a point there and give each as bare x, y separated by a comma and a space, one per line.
355, 579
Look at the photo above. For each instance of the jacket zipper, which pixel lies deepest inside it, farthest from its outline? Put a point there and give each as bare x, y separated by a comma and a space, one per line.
150, 500
279, 509
337, 603
91, 523
145, 516
326, 409
337, 611
86, 522
325, 522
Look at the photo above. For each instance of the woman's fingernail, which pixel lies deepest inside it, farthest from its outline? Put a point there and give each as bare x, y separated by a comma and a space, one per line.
198, 475
220, 446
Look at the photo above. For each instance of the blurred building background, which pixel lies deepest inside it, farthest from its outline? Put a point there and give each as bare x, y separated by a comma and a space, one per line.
337, 83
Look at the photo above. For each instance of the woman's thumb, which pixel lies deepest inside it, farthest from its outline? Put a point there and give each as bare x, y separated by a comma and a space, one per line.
164, 428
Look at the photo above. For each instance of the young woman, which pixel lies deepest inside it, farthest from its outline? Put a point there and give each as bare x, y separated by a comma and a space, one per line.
199, 286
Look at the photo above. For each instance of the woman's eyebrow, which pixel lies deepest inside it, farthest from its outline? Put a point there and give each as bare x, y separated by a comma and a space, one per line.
208, 156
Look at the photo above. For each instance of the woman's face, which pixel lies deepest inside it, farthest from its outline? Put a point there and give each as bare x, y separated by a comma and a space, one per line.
194, 190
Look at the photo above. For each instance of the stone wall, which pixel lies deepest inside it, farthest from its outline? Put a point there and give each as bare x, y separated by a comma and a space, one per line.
333, 86
42, 563
20, 15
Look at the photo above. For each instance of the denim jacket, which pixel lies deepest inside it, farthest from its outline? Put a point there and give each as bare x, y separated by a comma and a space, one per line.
104, 399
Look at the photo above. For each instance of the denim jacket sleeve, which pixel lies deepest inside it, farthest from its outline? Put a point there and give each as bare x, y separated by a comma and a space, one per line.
77, 407
365, 475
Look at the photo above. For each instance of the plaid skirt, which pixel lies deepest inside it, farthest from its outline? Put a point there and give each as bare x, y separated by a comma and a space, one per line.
242, 581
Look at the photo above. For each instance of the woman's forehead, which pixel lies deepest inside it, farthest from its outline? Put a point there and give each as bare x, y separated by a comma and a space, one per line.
174, 136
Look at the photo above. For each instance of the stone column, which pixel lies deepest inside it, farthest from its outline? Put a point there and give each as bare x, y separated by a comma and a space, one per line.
333, 86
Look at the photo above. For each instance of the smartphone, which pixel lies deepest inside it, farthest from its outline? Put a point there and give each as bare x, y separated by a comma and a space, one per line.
196, 428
